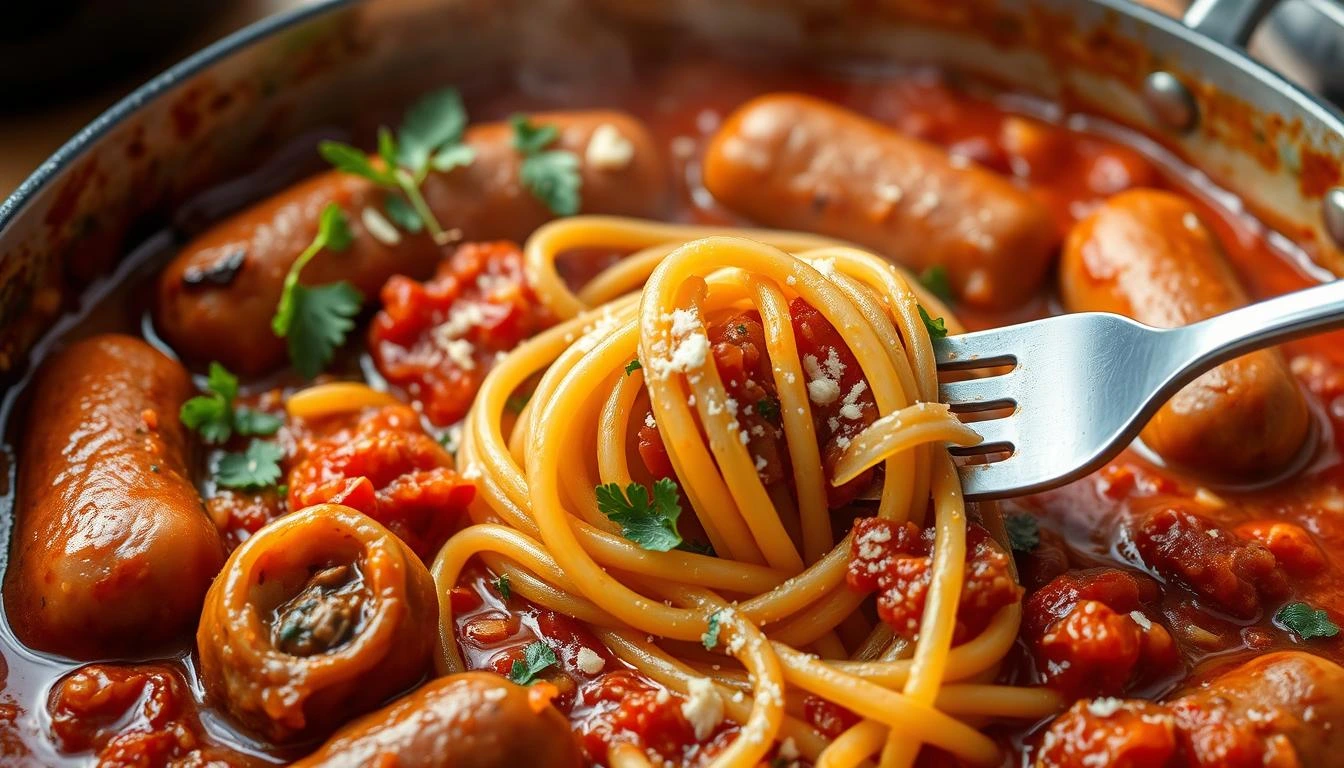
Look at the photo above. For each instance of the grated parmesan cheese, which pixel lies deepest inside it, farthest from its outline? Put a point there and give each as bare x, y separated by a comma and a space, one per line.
703, 707
608, 149
823, 391
589, 662
378, 226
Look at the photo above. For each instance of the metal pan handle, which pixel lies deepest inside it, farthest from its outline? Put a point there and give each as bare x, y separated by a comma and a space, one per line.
1231, 22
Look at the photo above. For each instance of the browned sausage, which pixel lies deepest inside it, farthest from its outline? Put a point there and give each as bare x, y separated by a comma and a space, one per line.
1281, 705
112, 548
797, 162
320, 616
216, 299
1146, 254
470, 720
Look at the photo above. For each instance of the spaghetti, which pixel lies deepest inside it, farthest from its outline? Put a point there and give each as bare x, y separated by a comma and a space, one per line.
775, 593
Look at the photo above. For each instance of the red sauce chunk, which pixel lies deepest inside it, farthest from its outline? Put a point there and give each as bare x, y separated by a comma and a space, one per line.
895, 560
132, 716
1230, 573
438, 339
1091, 634
382, 463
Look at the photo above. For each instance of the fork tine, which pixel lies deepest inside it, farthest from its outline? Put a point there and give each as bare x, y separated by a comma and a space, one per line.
974, 395
990, 481
998, 434
973, 350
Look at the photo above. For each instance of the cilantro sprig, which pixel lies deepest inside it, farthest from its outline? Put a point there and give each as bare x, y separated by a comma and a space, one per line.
314, 320
257, 467
503, 587
536, 658
1306, 622
649, 520
430, 139
935, 326
214, 415
551, 175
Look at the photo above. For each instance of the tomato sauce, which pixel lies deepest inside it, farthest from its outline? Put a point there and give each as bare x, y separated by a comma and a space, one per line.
1208, 602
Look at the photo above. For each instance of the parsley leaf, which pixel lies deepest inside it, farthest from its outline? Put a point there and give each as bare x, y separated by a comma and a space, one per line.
632, 366
768, 408
552, 176
530, 139
503, 587
247, 421
211, 414
936, 327
402, 214
1023, 533
455, 156
650, 524
711, 636
1305, 622
434, 122
321, 318
517, 402
344, 157
936, 280
257, 467
536, 657
214, 416
315, 320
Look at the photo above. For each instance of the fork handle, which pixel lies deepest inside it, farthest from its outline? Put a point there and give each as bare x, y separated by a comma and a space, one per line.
1263, 324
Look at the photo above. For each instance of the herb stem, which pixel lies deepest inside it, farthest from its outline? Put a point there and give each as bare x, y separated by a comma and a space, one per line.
412, 192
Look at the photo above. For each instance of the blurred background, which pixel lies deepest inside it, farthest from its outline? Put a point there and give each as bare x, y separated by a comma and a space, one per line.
64, 61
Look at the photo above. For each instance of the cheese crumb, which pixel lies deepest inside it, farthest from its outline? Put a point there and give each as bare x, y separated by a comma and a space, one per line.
1105, 706
703, 707
1143, 621
589, 662
378, 226
608, 149
823, 391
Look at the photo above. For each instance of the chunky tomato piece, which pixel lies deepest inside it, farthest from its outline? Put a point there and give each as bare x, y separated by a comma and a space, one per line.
1109, 732
1217, 565
139, 717
439, 338
895, 559
1093, 632
386, 466
1294, 549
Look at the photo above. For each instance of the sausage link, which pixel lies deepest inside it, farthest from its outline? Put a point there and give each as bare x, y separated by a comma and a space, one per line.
112, 550
797, 162
320, 616
1146, 254
469, 720
217, 297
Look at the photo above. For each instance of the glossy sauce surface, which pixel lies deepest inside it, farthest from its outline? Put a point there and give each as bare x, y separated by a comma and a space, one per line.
1070, 163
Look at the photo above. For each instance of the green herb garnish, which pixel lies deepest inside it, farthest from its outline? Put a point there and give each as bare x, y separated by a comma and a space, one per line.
936, 280
551, 175
1305, 622
503, 587
517, 402
768, 408
536, 658
257, 467
710, 638
632, 366
652, 524
1024, 534
430, 138
936, 327
214, 415
315, 320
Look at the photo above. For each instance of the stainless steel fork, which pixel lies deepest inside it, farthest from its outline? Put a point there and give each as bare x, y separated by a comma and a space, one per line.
1082, 386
